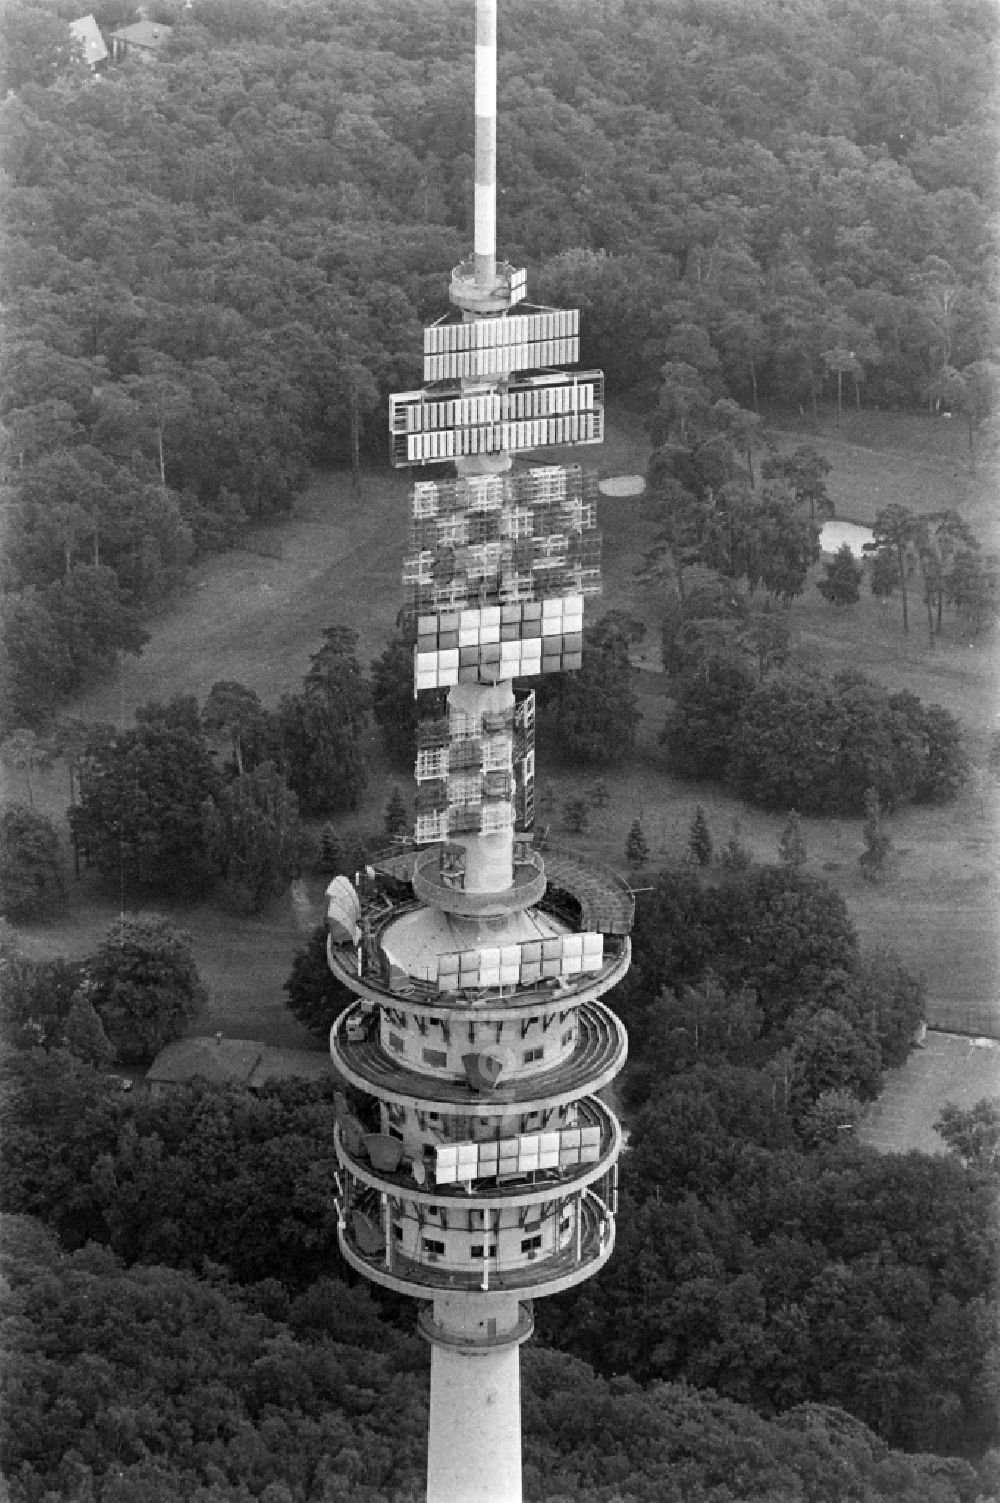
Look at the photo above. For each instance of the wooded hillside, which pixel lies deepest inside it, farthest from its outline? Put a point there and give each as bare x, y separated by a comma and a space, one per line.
205, 258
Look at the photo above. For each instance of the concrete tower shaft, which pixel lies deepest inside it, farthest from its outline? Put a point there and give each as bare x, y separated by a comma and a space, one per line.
480, 1172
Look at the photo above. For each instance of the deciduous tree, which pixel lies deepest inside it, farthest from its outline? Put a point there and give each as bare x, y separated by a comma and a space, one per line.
36, 998
254, 835
590, 717
141, 799
804, 471
323, 763
314, 996
144, 986
233, 707
973, 1133
25, 750
32, 880
874, 859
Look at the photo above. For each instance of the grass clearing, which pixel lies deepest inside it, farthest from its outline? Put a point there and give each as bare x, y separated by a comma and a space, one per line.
258, 620
947, 1068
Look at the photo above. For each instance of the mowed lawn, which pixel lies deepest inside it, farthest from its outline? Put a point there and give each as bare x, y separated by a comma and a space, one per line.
258, 619
948, 1068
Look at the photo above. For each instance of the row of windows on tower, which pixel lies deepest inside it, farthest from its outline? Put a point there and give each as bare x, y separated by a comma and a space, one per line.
479, 364
438, 1058
498, 438
436, 1247
421, 412
502, 332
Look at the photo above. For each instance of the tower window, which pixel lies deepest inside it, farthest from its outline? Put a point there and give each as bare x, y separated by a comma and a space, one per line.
434, 1246
530, 1055
531, 1244
395, 1042
437, 1057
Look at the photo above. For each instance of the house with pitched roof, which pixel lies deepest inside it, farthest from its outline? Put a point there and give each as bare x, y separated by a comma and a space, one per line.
240, 1062
142, 40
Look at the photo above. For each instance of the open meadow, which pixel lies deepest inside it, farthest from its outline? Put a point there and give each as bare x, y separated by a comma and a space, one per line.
257, 619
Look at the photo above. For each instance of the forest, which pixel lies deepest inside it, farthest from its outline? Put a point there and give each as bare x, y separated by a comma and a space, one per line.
208, 262
759, 206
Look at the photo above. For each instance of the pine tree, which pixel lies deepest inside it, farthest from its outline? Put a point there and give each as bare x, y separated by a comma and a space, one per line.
330, 852
700, 838
576, 815
735, 856
792, 843
874, 858
395, 820
842, 585
85, 1036
637, 846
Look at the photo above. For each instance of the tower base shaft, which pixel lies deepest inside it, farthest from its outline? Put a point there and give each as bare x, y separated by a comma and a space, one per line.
474, 1437
474, 1440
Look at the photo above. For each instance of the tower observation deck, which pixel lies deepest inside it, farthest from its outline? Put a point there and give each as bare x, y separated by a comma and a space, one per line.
480, 1173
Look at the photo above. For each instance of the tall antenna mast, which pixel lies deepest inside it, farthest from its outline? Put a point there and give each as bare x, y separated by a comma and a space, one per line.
485, 245
483, 1171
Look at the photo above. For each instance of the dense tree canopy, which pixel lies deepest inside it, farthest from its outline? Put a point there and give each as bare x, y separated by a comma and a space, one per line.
771, 203
142, 792
210, 265
146, 1382
760, 1252
797, 739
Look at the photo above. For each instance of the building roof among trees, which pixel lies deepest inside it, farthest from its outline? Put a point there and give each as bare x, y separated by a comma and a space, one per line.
223, 1061
148, 34
283, 1064
219, 1060
87, 32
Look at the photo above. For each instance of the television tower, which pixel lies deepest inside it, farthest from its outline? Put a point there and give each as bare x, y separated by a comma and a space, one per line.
478, 1162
